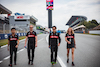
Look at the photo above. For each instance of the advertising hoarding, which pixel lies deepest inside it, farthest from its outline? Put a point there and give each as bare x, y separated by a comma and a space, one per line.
49, 4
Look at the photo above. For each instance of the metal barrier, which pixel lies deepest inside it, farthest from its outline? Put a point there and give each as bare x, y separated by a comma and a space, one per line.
5, 36
4, 28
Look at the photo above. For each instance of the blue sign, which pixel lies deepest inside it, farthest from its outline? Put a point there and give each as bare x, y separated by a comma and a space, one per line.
19, 14
5, 36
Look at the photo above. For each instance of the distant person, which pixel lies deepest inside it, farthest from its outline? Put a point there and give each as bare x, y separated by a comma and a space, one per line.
13, 41
53, 44
50, 31
59, 31
70, 39
31, 36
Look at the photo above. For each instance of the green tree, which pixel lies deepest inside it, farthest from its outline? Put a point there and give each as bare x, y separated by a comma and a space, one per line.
95, 22
89, 24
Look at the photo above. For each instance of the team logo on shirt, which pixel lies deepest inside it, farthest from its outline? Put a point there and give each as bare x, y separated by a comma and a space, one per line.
53, 36
13, 38
70, 36
31, 35
32, 32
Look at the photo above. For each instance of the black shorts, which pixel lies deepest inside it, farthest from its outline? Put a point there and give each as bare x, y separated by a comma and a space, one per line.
70, 46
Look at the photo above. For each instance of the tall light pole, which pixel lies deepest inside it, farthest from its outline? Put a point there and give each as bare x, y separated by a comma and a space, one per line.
49, 18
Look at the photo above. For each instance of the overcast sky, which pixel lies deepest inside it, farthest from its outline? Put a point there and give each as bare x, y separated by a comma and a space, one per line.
63, 10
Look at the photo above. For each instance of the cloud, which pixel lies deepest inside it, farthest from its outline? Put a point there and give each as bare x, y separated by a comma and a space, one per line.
63, 12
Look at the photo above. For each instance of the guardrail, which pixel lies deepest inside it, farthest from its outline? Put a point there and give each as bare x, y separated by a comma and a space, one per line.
5, 36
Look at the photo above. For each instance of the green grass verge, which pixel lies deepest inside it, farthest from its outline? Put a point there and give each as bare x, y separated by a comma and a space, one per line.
5, 41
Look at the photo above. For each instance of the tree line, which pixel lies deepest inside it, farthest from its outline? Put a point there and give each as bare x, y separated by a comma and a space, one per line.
90, 24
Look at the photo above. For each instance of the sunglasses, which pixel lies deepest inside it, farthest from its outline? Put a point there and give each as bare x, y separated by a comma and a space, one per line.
54, 29
31, 27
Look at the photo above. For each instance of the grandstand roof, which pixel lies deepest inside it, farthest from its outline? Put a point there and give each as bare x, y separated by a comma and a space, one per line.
4, 10
75, 20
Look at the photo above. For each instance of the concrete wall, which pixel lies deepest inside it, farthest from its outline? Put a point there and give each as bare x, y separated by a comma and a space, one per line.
94, 32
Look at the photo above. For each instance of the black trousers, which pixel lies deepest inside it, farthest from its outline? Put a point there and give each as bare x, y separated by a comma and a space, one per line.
32, 55
54, 50
11, 54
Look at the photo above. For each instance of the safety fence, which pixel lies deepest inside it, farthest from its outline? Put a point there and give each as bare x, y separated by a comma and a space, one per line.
5, 36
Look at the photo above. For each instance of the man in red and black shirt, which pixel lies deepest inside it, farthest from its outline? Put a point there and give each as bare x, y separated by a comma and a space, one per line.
13, 41
32, 43
53, 44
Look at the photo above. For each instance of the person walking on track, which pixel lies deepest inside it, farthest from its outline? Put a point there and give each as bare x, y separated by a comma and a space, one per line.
13, 41
53, 44
70, 39
31, 36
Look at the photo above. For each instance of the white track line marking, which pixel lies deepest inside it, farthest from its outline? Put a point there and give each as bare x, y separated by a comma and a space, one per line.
17, 51
61, 62
1, 61
58, 58
20, 50
47, 38
7, 44
6, 57
4, 46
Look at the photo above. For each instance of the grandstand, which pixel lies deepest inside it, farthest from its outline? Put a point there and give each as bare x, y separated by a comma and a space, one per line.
4, 21
74, 23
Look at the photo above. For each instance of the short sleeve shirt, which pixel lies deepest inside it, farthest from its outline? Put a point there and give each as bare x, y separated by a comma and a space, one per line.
70, 38
13, 40
31, 37
54, 38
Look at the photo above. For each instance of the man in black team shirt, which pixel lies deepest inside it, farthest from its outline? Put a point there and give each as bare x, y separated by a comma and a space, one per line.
13, 41
32, 43
53, 44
